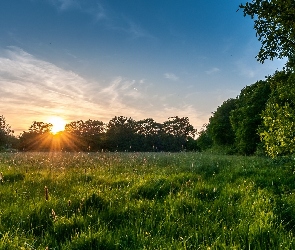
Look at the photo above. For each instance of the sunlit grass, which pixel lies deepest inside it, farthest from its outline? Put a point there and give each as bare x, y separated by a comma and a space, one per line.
145, 201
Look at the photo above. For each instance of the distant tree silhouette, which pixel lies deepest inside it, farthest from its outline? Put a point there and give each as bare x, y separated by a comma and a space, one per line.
87, 136
38, 138
7, 139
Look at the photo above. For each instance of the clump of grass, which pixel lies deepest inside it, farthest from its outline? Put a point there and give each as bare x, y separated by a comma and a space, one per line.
155, 189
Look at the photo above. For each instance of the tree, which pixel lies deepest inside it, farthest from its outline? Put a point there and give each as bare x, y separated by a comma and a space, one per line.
6, 133
148, 127
149, 134
275, 27
38, 138
246, 117
219, 127
204, 140
278, 129
40, 127
179, 127
178, 134
85, 135
120, 134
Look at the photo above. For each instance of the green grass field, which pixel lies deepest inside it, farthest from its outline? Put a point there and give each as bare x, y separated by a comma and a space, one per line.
146, 201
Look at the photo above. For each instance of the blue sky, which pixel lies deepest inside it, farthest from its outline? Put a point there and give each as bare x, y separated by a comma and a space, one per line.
96, 59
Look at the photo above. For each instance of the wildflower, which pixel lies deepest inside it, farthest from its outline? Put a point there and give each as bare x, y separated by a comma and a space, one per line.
46, 193
82, 204
53, 214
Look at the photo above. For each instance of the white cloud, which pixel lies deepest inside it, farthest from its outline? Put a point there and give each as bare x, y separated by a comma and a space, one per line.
212, 71
100, 12
93, 8
131, 29
65, 4
136, 31
171, 76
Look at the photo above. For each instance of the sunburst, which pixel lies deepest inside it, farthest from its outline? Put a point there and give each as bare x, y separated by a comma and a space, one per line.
58, 124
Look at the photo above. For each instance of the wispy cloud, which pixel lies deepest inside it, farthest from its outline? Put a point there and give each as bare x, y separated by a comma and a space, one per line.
136, 31
126, 26
99, 12
253, 72
65, 4
93, 8
30, 85
212, 71
33, 89
171, 76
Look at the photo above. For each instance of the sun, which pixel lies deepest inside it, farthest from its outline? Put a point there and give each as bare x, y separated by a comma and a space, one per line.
58, 124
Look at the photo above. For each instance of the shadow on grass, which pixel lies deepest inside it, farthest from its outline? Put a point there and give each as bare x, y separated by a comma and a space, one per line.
155, 189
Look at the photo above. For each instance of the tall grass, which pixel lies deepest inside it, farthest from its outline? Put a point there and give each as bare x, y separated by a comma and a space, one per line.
146, 201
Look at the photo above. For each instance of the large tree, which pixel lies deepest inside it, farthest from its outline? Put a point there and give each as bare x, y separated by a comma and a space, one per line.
246, 117
6, 133
204, 140
178, 134
120, 134
149, 134
278, 129
275, 27
219, 127
85, 135
39, 137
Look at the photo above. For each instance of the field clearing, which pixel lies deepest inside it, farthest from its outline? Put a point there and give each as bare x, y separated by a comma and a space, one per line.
146, 201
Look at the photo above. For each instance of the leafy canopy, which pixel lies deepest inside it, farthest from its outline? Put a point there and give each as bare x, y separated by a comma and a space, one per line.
278, 129
275, 27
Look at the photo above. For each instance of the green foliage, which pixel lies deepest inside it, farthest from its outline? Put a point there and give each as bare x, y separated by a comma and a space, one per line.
86, 135
246, 117
120, 134
7, 140
37, 138
279, 136
204, 140
146, 201
274, 25
277, 132
219, 127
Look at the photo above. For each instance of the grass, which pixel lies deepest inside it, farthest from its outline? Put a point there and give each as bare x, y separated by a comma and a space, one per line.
146, 201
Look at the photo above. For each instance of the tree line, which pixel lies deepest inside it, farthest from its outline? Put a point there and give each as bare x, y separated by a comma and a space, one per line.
260, 120
119, 134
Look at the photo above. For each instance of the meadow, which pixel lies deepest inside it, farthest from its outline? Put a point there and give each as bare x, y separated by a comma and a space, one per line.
146, 201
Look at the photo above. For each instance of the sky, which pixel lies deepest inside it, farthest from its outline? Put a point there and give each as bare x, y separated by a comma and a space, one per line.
97, 59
